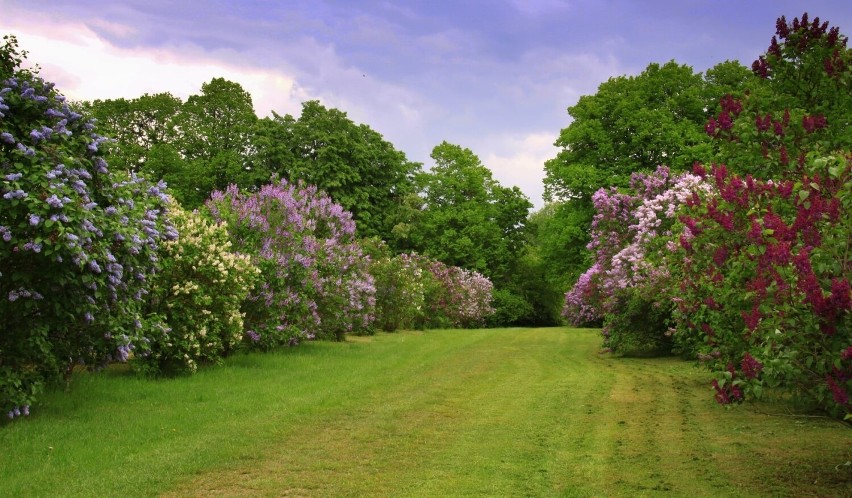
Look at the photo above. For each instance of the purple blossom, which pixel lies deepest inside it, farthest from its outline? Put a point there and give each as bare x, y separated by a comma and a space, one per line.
54, 201
15, 194
14, 176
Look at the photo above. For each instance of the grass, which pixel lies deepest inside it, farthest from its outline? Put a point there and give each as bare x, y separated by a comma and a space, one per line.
510, 412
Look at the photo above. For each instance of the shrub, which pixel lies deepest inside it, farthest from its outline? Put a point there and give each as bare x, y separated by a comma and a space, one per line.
764, 298
197, 294
400, 291
458, 298
314, 278
78, 242
624, 286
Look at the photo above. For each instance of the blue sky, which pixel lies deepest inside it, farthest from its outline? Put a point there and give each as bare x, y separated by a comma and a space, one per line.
493, 76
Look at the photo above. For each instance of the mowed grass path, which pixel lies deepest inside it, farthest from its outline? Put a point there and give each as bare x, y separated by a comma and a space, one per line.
510, 412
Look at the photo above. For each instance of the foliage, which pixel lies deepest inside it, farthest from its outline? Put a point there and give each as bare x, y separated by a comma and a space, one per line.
196, 146
315, 280
467, 219
197, 293
631, 124
78, 241
509, 309
352, 163
559, 233
136, 127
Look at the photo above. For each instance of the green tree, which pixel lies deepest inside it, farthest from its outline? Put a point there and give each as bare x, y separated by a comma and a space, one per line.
633, 123
467, 218
352, 163
135, 127
218, 126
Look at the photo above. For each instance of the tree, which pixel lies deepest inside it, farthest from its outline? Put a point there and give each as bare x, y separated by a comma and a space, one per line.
136, 126
218, 127
352, 163
468, 219
631, 124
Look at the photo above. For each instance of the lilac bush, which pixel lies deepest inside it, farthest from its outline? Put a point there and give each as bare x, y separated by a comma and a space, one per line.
78, 241
198, 293
401, 287
457, 297
315, 280
623, 286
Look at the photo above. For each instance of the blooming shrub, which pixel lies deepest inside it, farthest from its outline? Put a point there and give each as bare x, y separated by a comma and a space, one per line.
314, 277
197, 294
764, 294
624, 285
78, 242
457, 297
400, 291
765, 263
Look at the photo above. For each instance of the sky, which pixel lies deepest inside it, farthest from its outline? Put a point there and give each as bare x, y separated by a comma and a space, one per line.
494, 76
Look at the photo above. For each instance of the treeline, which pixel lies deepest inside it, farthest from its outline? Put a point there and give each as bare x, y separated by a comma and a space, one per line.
456, 212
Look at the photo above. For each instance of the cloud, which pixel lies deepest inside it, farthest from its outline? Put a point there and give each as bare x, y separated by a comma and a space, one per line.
518, 160
103, 71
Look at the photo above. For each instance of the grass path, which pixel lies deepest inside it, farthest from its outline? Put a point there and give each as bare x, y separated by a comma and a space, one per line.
521, 412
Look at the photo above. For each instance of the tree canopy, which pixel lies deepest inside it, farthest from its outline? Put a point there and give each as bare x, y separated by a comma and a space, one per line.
635, 123
467, 218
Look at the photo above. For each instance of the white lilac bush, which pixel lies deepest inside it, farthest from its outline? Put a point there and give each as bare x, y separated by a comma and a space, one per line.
78, 241
197, 294
400, 291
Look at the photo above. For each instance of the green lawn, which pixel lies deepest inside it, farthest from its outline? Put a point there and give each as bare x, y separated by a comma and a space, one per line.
509, 412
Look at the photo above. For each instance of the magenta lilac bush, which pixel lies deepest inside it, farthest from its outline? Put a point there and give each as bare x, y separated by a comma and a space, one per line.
314, 276
764, 294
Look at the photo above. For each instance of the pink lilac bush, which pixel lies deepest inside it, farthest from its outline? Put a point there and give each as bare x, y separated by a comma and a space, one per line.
457, 297
624, 282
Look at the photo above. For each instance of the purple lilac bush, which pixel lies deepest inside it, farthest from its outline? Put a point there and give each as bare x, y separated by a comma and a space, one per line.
78, 241
314, 276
